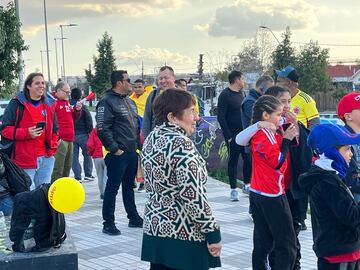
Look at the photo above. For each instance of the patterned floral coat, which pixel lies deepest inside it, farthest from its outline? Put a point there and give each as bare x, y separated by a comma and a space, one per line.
178, 221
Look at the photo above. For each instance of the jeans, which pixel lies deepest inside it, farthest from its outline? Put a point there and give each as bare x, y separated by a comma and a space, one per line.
101, 173
42, 174
120, 169
80, 142
63, 160
6, 205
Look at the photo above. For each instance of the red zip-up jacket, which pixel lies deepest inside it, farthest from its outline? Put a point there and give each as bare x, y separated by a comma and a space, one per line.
25, 156
66, 116
269, 163
94, 145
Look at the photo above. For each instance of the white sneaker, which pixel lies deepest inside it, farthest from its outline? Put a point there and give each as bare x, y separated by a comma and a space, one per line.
234, 195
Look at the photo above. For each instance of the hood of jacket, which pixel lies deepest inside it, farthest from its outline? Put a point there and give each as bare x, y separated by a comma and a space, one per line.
316, 173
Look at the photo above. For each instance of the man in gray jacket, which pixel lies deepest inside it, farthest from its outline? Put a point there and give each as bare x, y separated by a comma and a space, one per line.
166, 81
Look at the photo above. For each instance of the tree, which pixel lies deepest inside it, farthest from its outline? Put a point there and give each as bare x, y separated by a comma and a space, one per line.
311, 64
255, 54
284, 54
11, 42
103, 65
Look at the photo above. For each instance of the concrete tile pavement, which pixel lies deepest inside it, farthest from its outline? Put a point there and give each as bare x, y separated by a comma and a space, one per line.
100, 251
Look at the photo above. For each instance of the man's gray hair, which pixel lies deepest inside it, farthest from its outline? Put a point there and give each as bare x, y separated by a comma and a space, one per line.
263, 81
60, 86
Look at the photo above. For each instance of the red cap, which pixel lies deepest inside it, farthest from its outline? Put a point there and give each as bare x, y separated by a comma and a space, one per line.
348, 103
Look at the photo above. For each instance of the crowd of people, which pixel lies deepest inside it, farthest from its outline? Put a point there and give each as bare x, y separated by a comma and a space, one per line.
144, 135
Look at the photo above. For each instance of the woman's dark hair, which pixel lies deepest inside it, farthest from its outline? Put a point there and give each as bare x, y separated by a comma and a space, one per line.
28, 82
265, 103
276, 91
171, 100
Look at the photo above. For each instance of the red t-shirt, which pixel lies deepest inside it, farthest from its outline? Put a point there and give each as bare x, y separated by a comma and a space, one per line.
349, 257
38, 115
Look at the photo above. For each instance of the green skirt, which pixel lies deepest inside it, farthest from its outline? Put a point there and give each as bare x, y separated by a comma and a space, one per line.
178, 254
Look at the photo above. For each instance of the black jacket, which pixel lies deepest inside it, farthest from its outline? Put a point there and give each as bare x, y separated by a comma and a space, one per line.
352, 179
118, 123
84, 124
27, 206
335, 216
247, 106
301, 160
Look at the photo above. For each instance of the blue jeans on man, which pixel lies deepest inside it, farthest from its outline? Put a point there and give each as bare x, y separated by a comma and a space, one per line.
80, 142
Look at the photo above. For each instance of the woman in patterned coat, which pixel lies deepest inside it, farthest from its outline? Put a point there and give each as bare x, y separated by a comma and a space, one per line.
180, 231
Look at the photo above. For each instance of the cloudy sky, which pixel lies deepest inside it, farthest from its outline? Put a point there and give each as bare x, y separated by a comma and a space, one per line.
176, 31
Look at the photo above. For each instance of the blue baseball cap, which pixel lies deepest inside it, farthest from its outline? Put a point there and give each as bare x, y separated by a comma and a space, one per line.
288, 72
325, 136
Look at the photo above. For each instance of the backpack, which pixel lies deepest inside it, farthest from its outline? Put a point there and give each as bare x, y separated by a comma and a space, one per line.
57, 232
18, 180
58, 225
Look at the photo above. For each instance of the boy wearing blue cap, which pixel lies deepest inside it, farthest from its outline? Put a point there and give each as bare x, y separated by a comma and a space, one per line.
335, 215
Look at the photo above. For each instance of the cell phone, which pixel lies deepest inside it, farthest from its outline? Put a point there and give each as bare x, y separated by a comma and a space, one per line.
40, 125
286, 126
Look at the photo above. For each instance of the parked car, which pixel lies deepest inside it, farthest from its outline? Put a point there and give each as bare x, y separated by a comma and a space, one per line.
3, 105
330, 118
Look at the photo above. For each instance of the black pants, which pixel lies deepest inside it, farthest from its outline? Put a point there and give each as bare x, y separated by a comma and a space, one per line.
234, 151
273, 230
154, 266
324, 265
294, 208
120, 169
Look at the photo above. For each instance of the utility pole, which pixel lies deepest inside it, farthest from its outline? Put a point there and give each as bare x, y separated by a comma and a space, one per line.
47, 47
142, 70
20, 60
201, 67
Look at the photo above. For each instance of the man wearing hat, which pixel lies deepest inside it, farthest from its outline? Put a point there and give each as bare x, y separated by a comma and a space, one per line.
348, 110
335, 215
303, 105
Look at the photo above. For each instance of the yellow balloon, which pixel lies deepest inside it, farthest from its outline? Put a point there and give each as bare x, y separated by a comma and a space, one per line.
66, 195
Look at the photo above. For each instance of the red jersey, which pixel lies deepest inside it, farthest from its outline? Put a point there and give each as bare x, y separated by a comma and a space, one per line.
66, 116
269, 164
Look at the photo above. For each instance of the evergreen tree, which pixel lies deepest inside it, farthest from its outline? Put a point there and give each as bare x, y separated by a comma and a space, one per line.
11, 42
284, 54
311, 65
103, 65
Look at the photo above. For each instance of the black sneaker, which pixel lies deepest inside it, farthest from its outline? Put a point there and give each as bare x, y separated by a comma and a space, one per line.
89, 178
111, 230
136, 223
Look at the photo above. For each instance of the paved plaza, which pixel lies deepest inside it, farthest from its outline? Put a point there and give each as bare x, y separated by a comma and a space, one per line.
100, 251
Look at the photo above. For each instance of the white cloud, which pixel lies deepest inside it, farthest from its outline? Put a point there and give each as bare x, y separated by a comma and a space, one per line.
201, 28
154, 56
58, 12
245, 16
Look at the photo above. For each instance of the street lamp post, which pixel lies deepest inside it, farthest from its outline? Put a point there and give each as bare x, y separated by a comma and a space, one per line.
62, 45
47, 47
57, 60
42, 61
269, 29
20, 58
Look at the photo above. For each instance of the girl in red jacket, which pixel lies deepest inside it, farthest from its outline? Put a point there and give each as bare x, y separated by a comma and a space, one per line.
94, 147
273, 229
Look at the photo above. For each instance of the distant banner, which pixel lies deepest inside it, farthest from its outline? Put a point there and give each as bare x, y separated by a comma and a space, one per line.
210, 143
